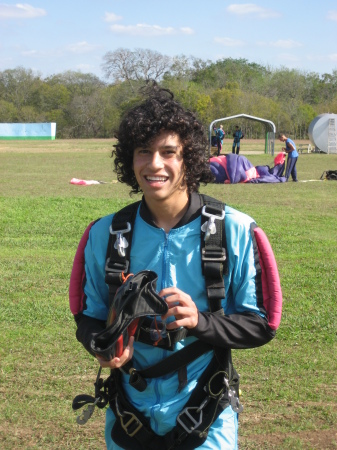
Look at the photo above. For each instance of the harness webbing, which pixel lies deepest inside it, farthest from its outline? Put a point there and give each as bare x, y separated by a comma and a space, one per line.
213, 250
117, 264
213, 254
132, 429
213, 260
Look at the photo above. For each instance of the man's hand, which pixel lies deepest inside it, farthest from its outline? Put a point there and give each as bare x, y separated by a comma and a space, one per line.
181, 306
116, 363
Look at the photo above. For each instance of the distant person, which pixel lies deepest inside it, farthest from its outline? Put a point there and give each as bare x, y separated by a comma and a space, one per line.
290, 150
220, 134
237, 135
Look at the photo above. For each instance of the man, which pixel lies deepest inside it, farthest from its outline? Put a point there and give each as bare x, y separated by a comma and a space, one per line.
220, 134
290, 150
237, 135
161, 152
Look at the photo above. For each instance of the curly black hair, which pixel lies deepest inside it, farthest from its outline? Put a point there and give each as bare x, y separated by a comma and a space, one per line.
144, 122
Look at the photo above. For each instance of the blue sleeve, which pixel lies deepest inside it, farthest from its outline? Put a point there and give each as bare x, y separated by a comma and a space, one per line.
244, 324
242, 294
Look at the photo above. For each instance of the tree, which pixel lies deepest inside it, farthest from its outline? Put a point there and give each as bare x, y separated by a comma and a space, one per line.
77, 83
18, 86
138, 65
8, 112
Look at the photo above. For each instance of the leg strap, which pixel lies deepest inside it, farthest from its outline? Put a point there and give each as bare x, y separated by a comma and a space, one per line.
132, 430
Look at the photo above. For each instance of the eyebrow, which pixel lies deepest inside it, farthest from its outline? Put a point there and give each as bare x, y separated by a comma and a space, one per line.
163, 147
169, 147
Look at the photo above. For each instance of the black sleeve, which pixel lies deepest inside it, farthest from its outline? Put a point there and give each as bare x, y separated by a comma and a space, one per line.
87, 328
236, 331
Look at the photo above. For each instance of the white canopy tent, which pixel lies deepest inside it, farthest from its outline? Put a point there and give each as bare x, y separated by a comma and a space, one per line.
269, 134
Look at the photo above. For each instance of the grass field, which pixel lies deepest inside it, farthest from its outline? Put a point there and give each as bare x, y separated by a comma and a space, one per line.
289, 387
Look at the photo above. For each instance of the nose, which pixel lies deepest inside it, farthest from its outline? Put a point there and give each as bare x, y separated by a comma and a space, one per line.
156, 160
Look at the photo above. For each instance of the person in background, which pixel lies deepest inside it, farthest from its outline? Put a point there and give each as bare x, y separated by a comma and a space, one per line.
290, 150
220, 134
237, 135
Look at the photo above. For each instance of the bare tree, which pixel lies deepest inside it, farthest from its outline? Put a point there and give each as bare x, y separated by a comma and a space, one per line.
140, 64
150, 65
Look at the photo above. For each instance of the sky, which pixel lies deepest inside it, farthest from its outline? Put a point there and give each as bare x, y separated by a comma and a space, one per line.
51, 37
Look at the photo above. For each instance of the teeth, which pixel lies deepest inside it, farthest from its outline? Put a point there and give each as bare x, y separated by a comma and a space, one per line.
156, 178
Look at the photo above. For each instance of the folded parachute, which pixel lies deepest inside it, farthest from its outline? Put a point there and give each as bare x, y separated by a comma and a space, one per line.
234, 168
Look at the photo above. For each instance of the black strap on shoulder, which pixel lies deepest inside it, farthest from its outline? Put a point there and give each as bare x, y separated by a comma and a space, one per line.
215, 265
119, 246
213, 250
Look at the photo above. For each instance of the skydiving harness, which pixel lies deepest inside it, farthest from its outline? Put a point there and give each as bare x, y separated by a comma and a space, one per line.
218, 385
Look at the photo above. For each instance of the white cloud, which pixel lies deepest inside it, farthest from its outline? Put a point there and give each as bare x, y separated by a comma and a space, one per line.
20, 11
252, 10
281, 43
186, 30
30, 53
81, 47
285, 43
228, 42
332, 15
333, 57
145, 30
111, 17
42, 54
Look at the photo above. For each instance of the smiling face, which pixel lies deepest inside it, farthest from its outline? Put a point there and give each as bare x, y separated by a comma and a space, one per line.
159, 170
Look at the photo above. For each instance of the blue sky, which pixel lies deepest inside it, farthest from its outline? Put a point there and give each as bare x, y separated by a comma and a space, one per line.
54, 36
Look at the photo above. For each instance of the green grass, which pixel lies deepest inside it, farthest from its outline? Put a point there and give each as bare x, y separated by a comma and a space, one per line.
288, 386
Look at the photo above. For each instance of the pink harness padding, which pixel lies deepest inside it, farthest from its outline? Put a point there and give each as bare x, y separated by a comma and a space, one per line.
271, 287
76, 293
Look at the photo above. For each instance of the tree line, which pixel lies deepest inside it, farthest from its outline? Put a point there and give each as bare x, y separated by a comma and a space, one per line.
85, 106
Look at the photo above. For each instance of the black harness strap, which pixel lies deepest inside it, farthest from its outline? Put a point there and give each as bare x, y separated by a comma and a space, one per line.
133, 430
168, 342
213, 251
117, 262
175, 361
215, 266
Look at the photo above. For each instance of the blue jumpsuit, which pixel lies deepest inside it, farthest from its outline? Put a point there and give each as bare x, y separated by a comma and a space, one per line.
175, 257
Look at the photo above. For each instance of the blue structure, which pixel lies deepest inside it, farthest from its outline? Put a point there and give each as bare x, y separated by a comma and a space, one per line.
21, 131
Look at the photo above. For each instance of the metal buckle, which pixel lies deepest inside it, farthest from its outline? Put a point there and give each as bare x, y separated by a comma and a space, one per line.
120, 269
121, 243
204, 213
209, 226
215, 259
195, 423
132, 421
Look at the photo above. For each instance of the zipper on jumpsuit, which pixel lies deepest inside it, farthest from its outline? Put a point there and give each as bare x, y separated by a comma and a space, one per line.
163, 285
